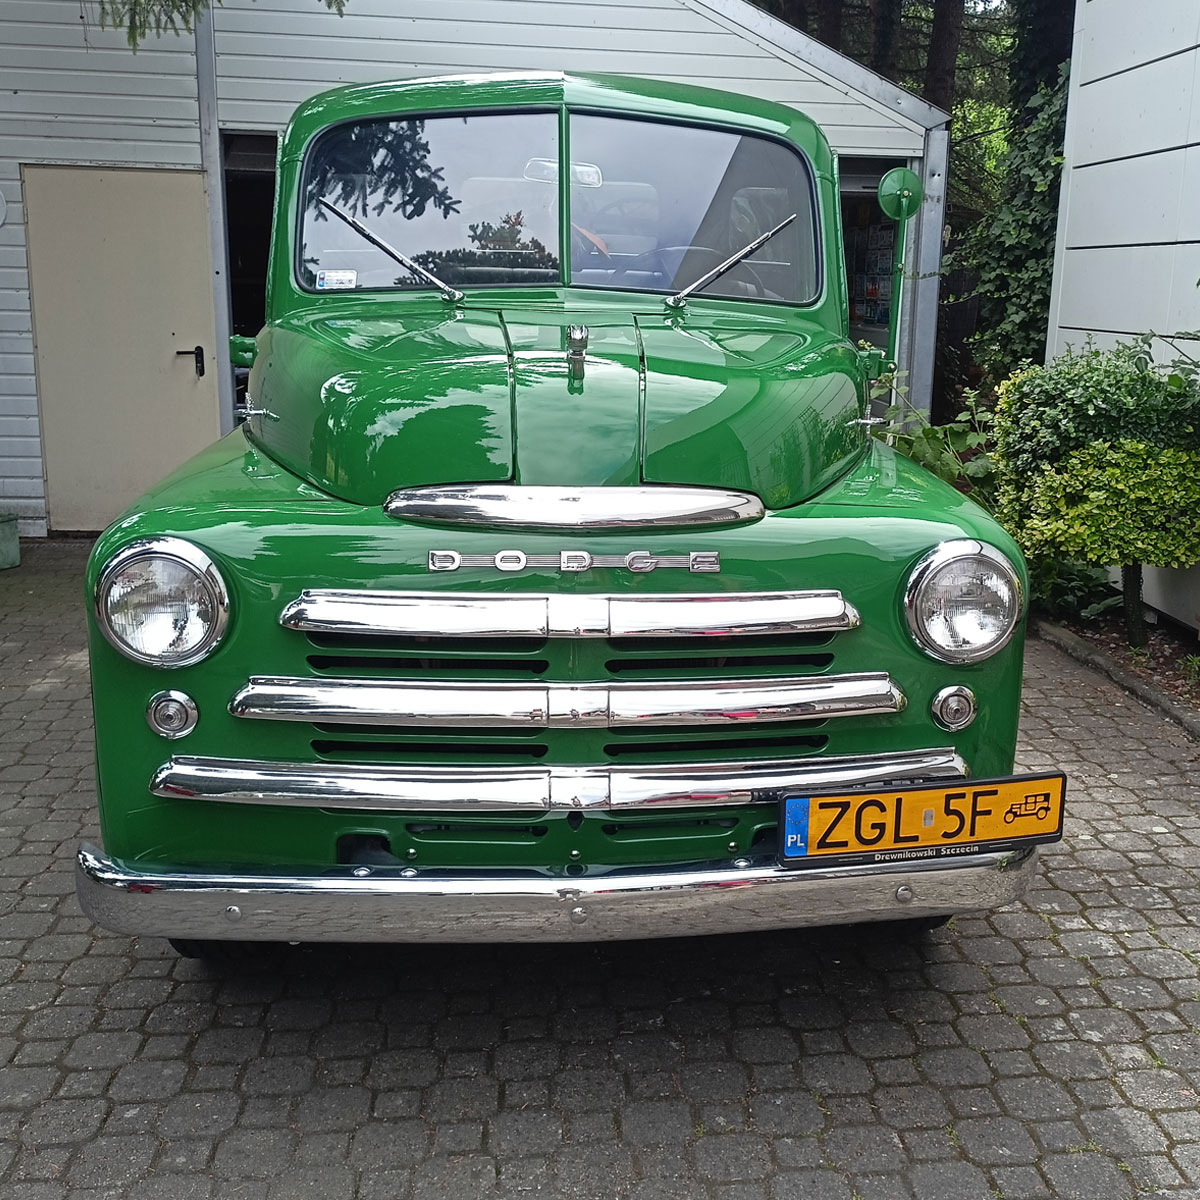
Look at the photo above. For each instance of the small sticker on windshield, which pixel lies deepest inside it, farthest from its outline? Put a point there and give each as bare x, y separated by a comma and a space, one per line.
328, 280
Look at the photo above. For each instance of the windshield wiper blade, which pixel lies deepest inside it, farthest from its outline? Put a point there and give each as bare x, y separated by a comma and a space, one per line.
449, 294
680, 298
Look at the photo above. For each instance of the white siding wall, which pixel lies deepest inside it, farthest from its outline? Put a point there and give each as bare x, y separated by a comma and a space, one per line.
271, 54
73, 94
21, 489
1128, 253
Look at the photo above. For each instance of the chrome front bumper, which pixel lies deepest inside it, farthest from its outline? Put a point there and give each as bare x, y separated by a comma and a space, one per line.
384, 905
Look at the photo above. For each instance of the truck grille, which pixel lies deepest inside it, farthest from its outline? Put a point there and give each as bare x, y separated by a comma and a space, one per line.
552, 701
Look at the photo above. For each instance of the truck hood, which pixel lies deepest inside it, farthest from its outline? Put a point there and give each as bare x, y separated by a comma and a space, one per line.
362, 406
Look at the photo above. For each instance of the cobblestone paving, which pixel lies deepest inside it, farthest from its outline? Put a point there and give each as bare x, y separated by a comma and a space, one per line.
1048, 1050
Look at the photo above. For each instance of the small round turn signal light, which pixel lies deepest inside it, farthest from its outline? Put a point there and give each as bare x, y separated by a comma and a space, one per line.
172, 714
954, 708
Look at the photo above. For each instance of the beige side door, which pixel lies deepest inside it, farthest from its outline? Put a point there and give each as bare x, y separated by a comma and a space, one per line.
119, 271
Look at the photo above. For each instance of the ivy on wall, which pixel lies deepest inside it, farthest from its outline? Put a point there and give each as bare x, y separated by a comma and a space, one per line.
1012, 251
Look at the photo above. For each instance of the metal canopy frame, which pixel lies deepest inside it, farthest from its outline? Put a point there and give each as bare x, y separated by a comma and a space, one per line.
213, 166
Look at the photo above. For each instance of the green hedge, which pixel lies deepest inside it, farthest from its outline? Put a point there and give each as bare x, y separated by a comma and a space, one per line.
1110, 503
1045, 413
1098, 461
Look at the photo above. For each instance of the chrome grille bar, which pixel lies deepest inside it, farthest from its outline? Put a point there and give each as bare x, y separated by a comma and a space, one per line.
457, 614
350, 785
373, 788
563, 705
392, 702
725, 702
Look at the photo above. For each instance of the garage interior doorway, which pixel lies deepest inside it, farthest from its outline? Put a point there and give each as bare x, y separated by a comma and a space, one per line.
869, 239
249, 160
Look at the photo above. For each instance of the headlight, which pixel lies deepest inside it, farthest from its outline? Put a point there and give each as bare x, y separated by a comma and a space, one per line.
963, 601
162, 601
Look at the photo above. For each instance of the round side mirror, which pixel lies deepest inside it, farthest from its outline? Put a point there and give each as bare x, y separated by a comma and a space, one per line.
900, 193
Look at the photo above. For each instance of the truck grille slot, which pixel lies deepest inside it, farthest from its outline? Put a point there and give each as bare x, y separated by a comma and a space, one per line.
646, 750
391, 733
393, 750
391, 666
680, 827
734, 664
382, 644
464, 831
747, 643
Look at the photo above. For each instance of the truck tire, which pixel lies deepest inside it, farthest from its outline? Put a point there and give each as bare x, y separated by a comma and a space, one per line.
218, 952
914, 928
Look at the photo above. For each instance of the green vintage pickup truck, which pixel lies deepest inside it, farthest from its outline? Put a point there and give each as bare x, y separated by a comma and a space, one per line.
554, 587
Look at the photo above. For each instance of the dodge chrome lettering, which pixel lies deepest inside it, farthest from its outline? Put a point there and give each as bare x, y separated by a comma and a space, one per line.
638, 561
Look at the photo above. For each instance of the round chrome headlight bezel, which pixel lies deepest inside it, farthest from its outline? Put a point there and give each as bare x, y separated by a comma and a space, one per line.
203, 570
927, 570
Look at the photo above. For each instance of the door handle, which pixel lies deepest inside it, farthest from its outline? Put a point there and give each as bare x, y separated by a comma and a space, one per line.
198, 355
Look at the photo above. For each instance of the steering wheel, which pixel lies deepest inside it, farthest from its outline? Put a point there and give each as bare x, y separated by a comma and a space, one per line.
638, 260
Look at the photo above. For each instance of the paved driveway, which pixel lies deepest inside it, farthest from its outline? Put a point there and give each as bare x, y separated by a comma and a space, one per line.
1047, 1050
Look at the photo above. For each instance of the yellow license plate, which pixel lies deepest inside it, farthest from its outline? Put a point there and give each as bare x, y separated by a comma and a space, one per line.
954, 819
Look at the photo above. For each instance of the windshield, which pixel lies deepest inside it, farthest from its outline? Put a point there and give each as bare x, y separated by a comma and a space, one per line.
665, 204
473, 200
457, 195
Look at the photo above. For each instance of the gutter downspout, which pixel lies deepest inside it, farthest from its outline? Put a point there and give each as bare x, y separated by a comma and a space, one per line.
213, 166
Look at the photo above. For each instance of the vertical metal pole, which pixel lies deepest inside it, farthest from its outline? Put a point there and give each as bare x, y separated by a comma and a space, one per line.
839, 274
213, 166
901, 253
923, 291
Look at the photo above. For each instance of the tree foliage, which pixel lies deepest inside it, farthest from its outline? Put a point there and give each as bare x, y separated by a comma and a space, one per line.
954, 53
141, 18
1042, 34
908, 41
941, 64
503, 247
377, 166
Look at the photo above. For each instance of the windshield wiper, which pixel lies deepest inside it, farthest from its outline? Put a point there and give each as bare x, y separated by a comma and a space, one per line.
680, 298
449, 294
